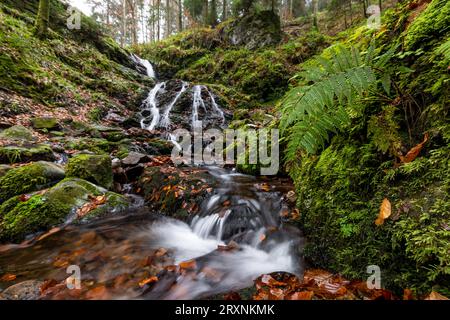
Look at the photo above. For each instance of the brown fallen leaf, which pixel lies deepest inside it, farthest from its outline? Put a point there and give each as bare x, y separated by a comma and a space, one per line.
191, 264
148, 281
436, 296
160, 252
232, 296
303, 295
407, 294
231, 246
414, 152
8, 277
385, 212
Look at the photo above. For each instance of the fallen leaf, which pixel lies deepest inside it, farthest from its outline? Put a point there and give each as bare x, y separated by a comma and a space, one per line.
160, 252
232, 296
414, 152
385, 212
407, 294
303, 295
148, 281
191, 264
436, 296
48, 284
8, 277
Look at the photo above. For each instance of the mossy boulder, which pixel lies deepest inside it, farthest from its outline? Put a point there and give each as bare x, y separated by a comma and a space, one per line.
256, 30
26, 153
29, 178
45, 123
95, 145
17, 132
4, 168
57, 205
94, 168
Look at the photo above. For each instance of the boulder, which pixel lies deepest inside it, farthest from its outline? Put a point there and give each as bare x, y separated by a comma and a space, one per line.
17, 132
29, 178
59, 204
26, 153
134, 158
94, 168
25, 290
255, 30
45, 123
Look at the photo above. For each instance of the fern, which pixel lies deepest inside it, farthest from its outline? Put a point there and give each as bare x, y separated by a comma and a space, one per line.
444, 49
324, 104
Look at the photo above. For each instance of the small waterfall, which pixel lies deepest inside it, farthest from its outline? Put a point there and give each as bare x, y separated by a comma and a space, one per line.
145, 64
207, 226
165, 121
151, 104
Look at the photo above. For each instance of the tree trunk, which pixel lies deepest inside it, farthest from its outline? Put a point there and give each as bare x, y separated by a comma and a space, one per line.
158, 9
315, 5
124, 23
224, 10
180, 15
43, 18
205, 12
213, 14
167, 19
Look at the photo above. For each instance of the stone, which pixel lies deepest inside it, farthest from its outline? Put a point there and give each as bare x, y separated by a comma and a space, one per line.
25, 290
45, 123
26, 153
57, 205
17, 132
32, 177
94, 168
134, 158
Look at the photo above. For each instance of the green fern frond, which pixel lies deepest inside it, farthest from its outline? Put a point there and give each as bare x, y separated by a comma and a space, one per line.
312, 111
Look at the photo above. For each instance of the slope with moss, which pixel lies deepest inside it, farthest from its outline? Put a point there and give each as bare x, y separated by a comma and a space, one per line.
394, 145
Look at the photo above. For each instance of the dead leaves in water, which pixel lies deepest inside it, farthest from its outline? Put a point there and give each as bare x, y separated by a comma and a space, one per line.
385, 212
8, 277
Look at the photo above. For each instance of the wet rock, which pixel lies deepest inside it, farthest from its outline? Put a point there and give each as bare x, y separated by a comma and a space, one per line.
26, 153
17, 133
29, 178
175, 191
26, 290
114, 117
116, 163
45, 123
134, 172
134, 158
41, 211
94, 168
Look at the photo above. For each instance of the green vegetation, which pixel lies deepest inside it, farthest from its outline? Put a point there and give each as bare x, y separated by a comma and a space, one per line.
94, 168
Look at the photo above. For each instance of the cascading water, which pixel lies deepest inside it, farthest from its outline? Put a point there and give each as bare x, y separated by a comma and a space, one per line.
236, 236
145, 64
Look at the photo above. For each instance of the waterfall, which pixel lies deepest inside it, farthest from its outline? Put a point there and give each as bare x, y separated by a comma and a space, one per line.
151, 104
165, 121
145, 64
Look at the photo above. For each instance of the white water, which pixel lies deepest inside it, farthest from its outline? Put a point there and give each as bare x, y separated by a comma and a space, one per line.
152, 104
236, 268
165, 121
146, 64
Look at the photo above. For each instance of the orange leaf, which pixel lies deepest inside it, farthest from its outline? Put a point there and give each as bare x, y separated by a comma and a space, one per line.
414, 152
436, 296
148, 280
8, 277
304, 295
191, 264
407, 294
385, 212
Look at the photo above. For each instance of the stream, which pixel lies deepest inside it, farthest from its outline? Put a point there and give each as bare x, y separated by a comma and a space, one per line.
237, 234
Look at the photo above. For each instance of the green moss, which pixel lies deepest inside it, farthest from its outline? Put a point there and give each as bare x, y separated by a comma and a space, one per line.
17, 132
28, 178
41, 212
15, 154
429, 26
44, 123
94, 168
96, 145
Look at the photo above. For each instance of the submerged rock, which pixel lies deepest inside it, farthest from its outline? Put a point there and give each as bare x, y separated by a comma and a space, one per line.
55, 206
25, 290
93, 168
29, 178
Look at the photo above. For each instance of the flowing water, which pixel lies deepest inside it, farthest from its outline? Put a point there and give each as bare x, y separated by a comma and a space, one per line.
237, 235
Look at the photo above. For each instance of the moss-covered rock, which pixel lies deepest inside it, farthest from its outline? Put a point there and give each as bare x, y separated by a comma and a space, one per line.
94, 168
29, 178
95, 145
26, 153
57, 205
17, 132
4, 168
48, 123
